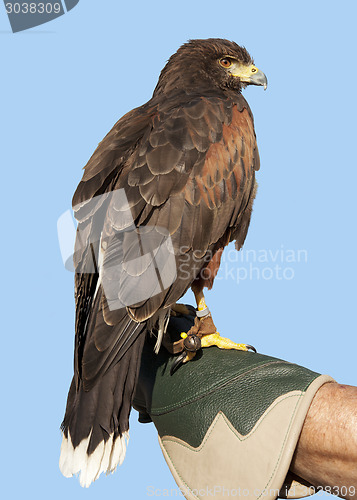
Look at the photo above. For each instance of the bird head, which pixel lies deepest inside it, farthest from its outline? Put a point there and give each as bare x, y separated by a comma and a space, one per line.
211, 63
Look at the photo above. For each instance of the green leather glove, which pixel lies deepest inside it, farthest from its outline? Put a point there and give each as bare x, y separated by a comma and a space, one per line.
228, 421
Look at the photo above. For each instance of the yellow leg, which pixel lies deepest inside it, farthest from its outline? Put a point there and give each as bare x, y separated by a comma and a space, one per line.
215, 338
200, 301
207, 339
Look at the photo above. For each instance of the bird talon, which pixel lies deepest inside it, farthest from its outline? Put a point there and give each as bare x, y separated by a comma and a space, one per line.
178, 362
250, 348
181, 359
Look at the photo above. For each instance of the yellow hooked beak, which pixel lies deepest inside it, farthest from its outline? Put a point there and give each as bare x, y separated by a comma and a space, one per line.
249, 74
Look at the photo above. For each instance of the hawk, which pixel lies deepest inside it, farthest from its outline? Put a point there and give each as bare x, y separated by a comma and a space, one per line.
165, 191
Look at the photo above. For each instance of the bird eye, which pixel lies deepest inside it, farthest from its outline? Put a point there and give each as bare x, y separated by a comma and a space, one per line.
225, 62
254, 69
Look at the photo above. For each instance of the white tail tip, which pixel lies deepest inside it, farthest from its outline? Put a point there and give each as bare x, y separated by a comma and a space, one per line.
105, 458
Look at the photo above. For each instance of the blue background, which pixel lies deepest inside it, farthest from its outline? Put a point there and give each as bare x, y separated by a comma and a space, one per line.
63, 86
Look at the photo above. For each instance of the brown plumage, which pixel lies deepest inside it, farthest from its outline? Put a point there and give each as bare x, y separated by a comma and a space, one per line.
186, 161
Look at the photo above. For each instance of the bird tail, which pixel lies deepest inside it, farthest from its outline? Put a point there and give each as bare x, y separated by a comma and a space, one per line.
96, 423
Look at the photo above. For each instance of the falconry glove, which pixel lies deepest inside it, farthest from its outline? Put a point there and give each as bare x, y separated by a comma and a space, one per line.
229, 421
